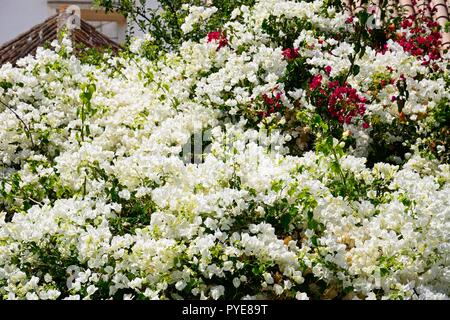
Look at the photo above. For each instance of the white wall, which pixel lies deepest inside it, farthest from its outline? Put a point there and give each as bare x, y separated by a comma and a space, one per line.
152, 4
18, 16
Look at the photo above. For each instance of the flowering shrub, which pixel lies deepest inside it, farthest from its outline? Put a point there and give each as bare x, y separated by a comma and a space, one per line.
420, 41
311, 181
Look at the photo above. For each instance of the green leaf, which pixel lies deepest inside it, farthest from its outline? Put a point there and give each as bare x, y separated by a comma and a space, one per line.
285, 221
355, 69
362, 52
317, 120
314, 241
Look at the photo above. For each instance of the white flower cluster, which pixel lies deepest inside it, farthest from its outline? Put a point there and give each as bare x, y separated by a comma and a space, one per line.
96, 200
197, 15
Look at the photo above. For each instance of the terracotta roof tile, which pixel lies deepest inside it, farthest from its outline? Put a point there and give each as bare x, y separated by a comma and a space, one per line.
408, 7
28, 42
